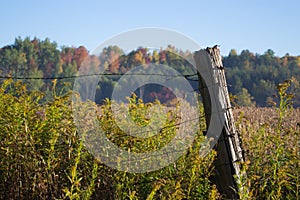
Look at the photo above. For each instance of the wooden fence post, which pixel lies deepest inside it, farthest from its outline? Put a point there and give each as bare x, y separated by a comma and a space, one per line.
228, 147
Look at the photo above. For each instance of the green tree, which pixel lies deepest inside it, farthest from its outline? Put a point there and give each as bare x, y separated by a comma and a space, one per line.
244, 98
37, 83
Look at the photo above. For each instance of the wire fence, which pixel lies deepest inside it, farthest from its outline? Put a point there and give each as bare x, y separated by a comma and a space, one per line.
122, 74
61, 144
96, 74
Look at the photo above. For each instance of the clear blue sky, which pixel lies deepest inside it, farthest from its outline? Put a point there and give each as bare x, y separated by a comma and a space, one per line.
256, 25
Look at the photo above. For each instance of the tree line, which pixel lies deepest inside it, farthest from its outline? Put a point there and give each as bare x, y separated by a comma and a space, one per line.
254, 78
43, 65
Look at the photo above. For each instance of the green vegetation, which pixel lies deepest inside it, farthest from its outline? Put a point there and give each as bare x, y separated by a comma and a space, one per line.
271, 139
44, 157
39, 145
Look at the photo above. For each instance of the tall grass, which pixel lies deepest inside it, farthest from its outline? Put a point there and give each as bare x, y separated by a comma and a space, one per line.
43, 156
271, 138
38, 145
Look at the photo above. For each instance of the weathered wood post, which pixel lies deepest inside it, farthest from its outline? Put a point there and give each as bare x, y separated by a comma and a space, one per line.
228, 146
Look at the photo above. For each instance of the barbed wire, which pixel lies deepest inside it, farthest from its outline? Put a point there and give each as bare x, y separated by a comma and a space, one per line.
96, 74
121, 74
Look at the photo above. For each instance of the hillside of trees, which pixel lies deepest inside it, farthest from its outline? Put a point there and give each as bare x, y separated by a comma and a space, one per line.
252, 78
257, 76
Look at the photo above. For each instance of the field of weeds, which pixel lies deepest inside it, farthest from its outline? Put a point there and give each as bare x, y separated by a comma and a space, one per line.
271, 140
44, 157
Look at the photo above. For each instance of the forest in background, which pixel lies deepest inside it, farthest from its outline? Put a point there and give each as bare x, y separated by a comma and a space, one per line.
252, 78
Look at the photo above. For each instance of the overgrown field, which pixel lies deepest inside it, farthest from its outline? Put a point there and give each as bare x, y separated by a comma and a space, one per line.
272, 151
43, 157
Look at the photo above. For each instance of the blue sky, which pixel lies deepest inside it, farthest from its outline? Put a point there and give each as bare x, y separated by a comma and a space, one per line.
254, 25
